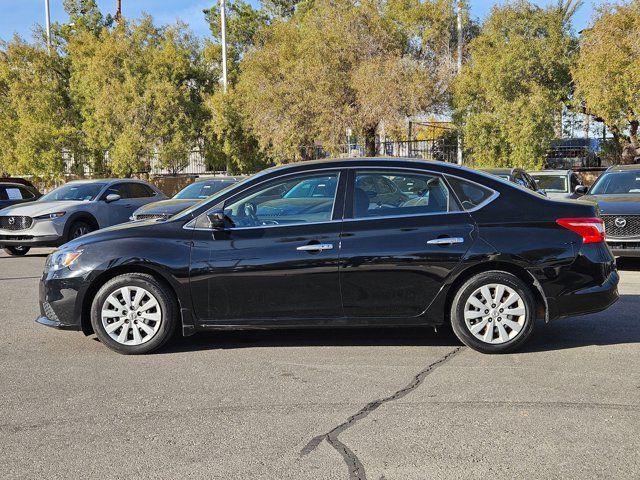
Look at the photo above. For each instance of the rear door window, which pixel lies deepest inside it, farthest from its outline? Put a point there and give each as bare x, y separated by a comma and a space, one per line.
389, 193
138, 190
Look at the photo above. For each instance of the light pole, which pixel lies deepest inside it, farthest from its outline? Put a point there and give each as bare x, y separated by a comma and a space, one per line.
223, 26
459, 65
48, 24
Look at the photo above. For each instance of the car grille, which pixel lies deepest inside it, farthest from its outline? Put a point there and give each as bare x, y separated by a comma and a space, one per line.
624, 245
147, 216
631, 226
15, 223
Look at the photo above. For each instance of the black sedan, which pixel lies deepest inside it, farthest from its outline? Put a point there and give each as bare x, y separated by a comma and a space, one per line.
463, 247
186, 197
617, 193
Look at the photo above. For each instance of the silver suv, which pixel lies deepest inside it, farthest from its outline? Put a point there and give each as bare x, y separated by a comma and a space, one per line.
71, 211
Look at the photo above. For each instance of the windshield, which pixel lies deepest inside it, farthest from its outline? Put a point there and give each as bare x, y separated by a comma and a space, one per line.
617, 183
552, 183
74, 191
201, 190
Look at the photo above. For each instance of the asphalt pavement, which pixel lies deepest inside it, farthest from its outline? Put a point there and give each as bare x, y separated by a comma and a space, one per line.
319, 404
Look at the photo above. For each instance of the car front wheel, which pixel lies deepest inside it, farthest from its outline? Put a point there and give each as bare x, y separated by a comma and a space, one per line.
78, 229
493, 312
134, 314
18, 251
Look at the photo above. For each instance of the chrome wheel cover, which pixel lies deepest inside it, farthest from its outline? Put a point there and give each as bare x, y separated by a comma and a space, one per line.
131, 315
495, 313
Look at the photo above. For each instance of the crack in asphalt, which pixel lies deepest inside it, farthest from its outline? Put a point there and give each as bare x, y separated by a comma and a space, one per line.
18, 278
355, 466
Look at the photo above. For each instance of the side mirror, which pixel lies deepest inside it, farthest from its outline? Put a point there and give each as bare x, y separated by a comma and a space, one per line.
580, 190
112, 197
217, 220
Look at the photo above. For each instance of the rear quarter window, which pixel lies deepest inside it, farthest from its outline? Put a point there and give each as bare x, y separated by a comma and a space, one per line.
470, 194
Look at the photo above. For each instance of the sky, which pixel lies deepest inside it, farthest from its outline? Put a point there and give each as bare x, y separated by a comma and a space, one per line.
22, 15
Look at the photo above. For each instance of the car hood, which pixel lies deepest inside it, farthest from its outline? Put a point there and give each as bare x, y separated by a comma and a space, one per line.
616, 204
34, 209
166, 207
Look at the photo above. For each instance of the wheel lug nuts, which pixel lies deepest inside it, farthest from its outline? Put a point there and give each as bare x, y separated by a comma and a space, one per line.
493, 305
501, 310
486, 311
499, 319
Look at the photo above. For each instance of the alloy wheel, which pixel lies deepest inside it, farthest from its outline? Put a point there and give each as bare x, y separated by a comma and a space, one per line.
495, 313
131, 315
79, 231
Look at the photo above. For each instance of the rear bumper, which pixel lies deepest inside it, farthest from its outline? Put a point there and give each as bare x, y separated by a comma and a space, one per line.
589, 299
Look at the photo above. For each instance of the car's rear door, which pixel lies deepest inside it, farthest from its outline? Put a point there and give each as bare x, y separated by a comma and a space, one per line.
394, 259
277, 262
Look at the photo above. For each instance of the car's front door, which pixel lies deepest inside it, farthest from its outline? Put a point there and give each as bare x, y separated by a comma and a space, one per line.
120, 210
395, 259
277, 260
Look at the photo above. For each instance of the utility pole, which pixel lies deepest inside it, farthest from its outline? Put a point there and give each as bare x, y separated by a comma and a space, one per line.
48, 24
459, 65
223, 27
118, 10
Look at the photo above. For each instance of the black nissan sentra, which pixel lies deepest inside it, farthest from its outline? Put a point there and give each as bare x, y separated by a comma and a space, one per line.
367, 242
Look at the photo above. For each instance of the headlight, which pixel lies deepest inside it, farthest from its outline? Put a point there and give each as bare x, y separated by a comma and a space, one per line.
50, 216
60, 260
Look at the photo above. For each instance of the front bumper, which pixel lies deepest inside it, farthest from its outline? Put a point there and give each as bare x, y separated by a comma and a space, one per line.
60, 295
624, 248
43, 233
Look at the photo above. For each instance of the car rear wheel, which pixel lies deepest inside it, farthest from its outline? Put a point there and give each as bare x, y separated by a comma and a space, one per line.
493, 312
134, 313
78, 229
17, 251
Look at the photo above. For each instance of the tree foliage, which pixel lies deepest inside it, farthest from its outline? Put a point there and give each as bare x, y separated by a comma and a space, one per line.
607, 73
343, 64
515, 82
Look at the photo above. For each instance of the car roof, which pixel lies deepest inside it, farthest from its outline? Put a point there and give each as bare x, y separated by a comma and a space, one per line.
13, 184
107, 180
552, 172
497, 171
624, 168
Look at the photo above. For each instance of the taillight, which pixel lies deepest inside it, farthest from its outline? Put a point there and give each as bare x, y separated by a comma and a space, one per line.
591, 229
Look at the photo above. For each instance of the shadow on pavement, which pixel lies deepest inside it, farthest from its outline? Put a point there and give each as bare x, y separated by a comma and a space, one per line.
617, 325
628, 263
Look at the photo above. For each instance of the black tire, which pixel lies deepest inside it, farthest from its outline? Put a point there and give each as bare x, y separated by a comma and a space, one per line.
79, 228
17, 251
463, 331
167, 305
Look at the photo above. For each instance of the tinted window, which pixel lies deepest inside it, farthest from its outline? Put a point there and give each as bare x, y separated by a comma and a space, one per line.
139, 190
272, 205
552, 183
14, 193
74, 191
376, 195
617, 183
470, 194
117, 189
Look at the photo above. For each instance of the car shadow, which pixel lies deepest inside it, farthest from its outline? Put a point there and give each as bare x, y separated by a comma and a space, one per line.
617, 325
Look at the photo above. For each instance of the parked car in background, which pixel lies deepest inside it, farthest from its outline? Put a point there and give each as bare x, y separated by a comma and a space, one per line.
515, 175
13, 193
186, 197
71, 211
464, 247
617, 193
570, 153
559, 184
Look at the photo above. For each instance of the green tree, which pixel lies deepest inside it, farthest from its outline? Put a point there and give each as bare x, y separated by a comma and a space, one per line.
228, 142
37, 125
516, 80
336, 65
607, 73
139, 91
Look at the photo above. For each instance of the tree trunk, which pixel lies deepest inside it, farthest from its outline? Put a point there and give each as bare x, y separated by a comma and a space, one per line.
370, 141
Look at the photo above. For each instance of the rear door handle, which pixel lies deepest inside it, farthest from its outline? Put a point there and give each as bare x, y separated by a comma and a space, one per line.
317, 247
446, 241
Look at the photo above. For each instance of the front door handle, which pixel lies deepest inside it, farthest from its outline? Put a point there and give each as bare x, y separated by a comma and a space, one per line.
446, 241
315, 247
